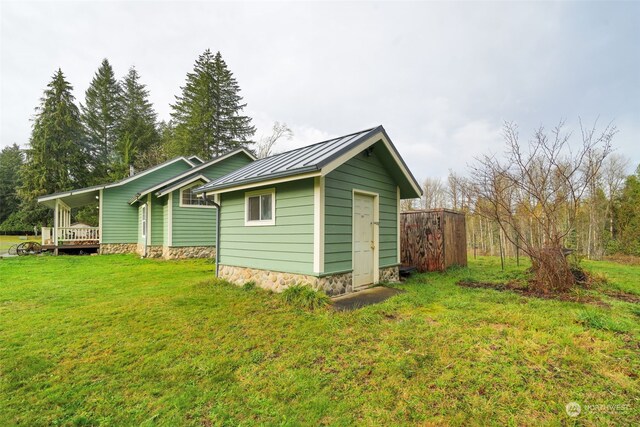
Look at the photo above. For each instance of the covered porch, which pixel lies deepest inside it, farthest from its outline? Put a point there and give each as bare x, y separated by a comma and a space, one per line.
67, 236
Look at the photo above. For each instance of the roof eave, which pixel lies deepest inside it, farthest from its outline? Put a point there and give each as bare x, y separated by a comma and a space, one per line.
208, 188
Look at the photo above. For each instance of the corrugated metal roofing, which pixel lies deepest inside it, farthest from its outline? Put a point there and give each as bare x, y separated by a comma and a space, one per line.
294, 162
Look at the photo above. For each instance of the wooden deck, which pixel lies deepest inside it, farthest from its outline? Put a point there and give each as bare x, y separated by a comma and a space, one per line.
72, 248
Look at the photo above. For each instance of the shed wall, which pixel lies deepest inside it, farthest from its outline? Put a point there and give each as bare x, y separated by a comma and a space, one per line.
286, 246
363, 173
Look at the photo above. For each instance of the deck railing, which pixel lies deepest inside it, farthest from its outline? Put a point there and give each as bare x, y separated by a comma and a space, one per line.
78, 234
68, 235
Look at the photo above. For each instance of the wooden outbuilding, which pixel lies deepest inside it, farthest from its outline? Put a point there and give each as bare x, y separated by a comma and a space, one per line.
433, 240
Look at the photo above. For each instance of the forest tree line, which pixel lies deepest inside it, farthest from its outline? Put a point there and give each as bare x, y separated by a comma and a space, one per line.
115, 131
607, 216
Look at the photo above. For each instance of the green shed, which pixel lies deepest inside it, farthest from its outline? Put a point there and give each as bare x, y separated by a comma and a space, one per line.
326, 215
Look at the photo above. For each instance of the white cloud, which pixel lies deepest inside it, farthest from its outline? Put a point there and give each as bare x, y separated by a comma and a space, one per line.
441, 77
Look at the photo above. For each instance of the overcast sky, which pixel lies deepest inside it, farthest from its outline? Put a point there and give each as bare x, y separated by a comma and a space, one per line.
441, 77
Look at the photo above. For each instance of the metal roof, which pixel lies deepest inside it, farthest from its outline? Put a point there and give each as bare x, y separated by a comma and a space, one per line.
294, 162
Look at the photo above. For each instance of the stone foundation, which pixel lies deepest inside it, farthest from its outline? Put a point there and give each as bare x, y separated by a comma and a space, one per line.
332, 285
389, 274
158, 251
154, 251
278, 281
181, 252
118, 248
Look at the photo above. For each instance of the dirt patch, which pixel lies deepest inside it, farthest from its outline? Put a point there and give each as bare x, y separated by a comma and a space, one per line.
524, 290
623, 296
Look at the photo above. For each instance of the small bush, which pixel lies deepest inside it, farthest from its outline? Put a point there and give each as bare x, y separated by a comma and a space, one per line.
249, 286
302, 296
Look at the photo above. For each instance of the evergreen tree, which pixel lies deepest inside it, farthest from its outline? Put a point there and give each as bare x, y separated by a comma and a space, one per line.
231, 129
10, 163
100, 116
628, 215
208, 113
56, 157
137, 129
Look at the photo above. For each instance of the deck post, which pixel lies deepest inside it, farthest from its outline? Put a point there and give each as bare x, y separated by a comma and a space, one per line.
56, 221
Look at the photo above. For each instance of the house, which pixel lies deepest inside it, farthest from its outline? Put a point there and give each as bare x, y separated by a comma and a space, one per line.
326, 215
153, 213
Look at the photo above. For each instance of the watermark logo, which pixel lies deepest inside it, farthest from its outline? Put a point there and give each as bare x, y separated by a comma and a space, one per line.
573, 409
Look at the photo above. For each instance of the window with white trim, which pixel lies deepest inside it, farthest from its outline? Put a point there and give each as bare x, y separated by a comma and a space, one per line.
189, 199
260, 207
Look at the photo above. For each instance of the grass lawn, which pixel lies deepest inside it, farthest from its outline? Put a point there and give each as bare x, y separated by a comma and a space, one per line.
116, 340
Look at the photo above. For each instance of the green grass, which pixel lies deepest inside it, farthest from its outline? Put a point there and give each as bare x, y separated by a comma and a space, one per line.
304, 297
116, 340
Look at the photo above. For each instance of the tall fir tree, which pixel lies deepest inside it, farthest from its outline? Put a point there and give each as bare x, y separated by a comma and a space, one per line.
231, 129
56, 158
208, 115
137, 130
101, 114
11, 161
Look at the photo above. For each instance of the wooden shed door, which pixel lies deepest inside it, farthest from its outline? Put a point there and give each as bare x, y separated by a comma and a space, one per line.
363, 240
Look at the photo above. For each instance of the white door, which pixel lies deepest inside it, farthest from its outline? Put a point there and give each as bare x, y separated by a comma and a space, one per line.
363, 240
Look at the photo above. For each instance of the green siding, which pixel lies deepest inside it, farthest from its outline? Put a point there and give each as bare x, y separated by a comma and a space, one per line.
165, 221
119, 219
157, 223
360, 173
225, 166
192, 226
286, 246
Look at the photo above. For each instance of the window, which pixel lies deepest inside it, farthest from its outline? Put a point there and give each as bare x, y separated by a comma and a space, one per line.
189, 199
260, 207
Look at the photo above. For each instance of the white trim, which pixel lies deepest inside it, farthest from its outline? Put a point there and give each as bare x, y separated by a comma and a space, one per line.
265, 183
376, 231
398, 223
115, 184
255, 223
170, 220
318, 224
181, 184
56, 222
195, 169
378, 136
148, 171
196, 157
143, 229
68, 193
189, 186
100, 216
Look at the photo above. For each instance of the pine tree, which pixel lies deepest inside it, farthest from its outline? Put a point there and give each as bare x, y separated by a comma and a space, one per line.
231, 129
137, 130
56, 157
628, 215
100, 116
11, 161
208, 113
